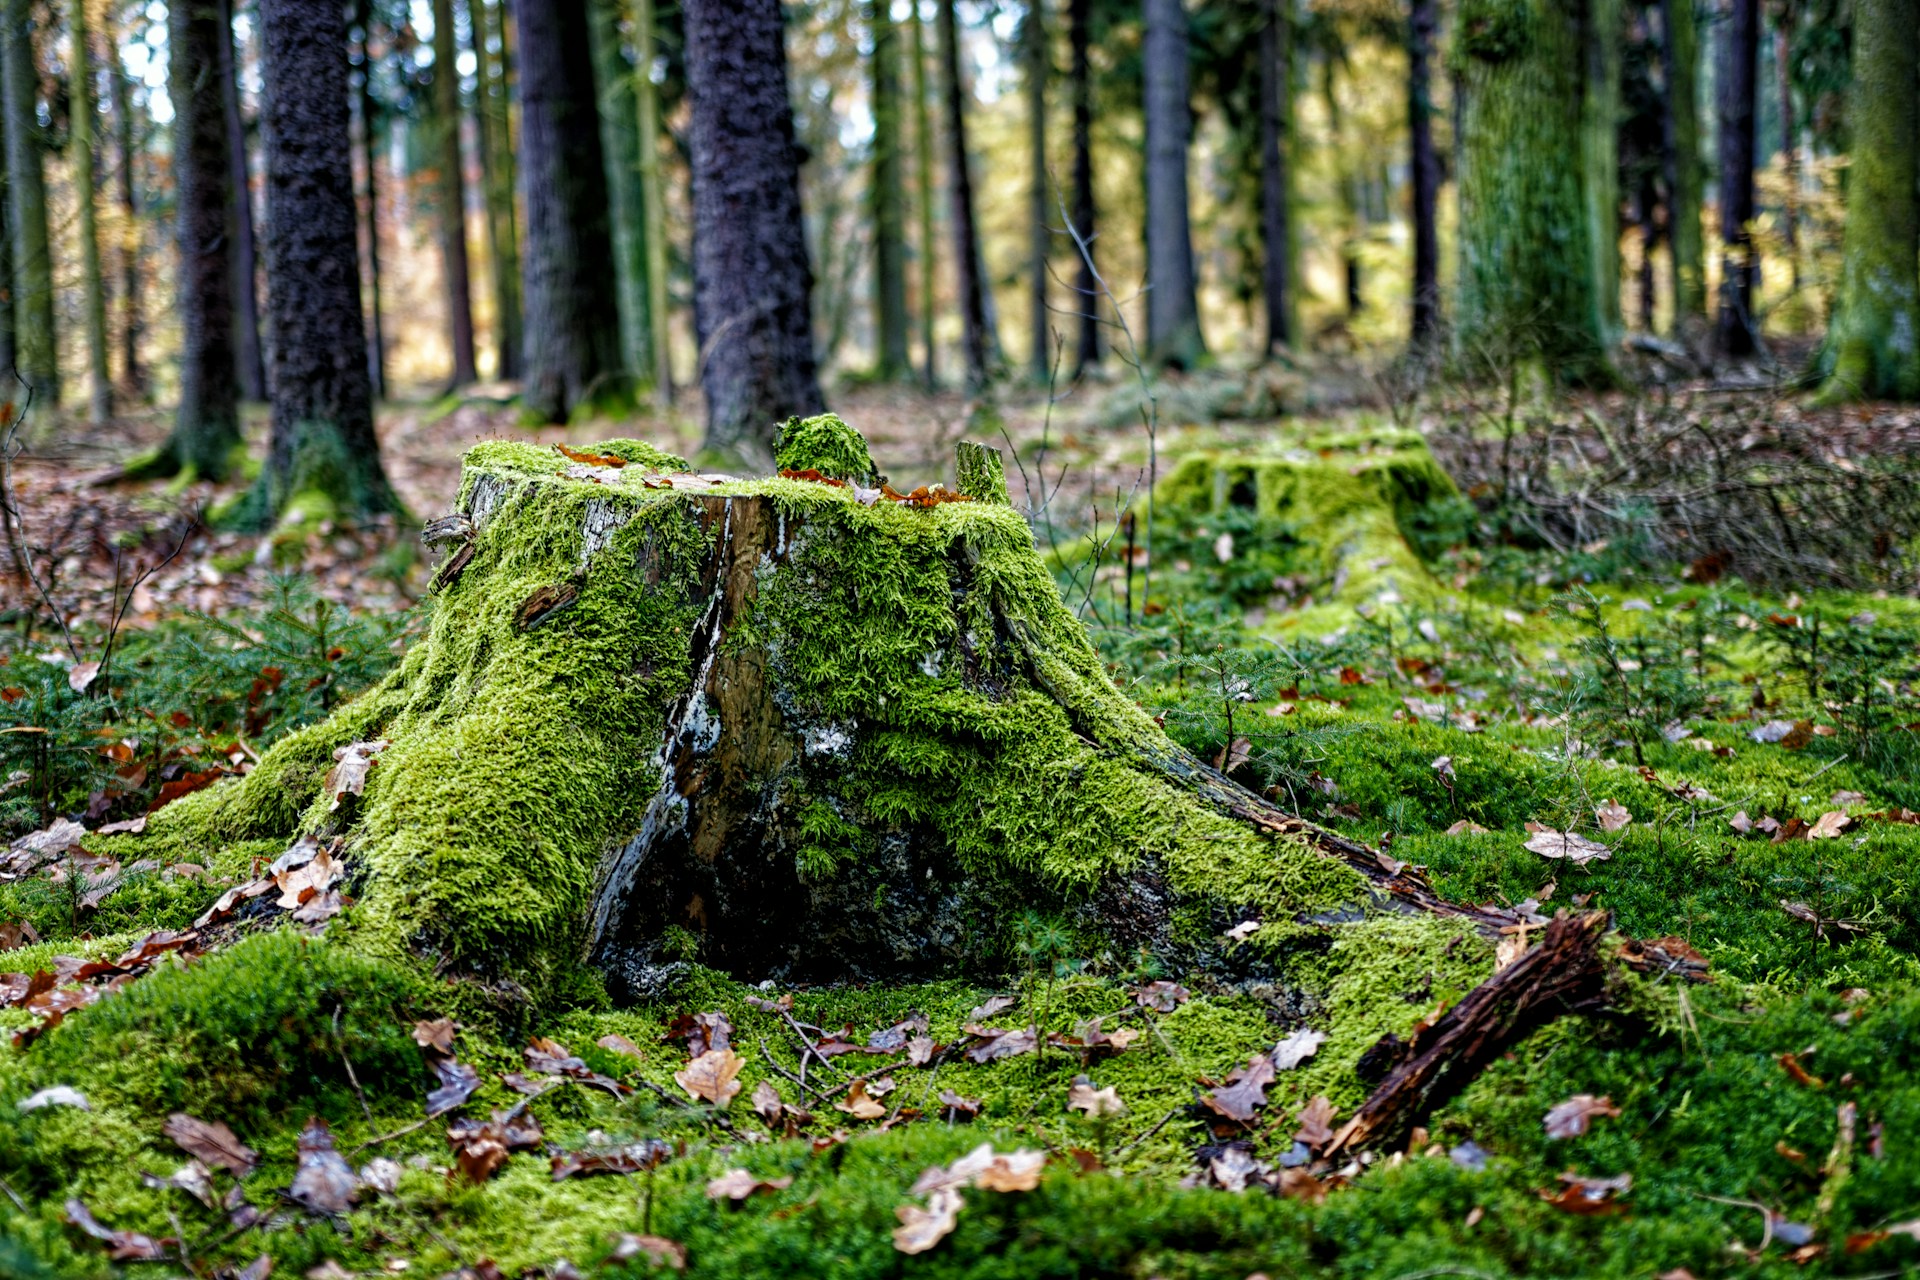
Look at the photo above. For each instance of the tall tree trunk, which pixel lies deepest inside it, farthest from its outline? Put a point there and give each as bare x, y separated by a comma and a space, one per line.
1349, 190
977, 339
1086, 283
9, 351
80, 159
368, 109
652, 202
497, 153
1870, 350
887, 199
1173, 316
923, 179
1736, 328
620, 151
36, 355
1423, 22
1035, 68
1786, 18
1600, 154
323, 458
133, 379
1680, 59
1646, 203
752, 285
206, 426
1527, 292
250, 363
451, 194
572, 319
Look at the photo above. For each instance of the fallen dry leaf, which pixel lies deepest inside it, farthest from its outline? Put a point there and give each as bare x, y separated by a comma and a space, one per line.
954, 1108
1244, 1092
636, 1158
323, 1181
348, 777
1576, 849
122, 1246
992, 1043
1829, 825
921, 1229
1466, 828
657, 1250
1162, 996
1316, 1122
1611, 816
1096, 1103
1570, 1118
212, 1143
1790, 1063
1297, 1048
737, 1184
711, 1077
1589, 1196
858, 1105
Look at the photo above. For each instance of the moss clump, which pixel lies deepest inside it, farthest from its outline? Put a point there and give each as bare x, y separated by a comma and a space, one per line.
826, 444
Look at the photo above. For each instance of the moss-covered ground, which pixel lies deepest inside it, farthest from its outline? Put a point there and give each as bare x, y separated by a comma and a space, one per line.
1351, 648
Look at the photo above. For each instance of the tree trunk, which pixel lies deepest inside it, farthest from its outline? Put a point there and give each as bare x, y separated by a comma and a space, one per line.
1527, 292
369, 112
1870, 351
9, 334
886, 201
1680, 57
323, 459
620, 150
250, 365
751, 279
1035, 68
450, 195
81, 163
1600, 154
206, 429
497, 151
1086, 282
1786, 18
1173, 316
572, 320
977, 340
133, 378
1348, 184
36, 358
923, 180
652, 202
1736, 331
1422, 25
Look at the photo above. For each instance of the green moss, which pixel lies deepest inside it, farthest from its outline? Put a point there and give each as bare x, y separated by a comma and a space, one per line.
825, 444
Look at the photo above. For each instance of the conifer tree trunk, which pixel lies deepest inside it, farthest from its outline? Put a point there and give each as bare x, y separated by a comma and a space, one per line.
977, 339
1527, 291
369, 112
133, 380
887, 198
80, 155
1735, 328
1173, 317
323, 458
1275, 87
1423, 22
1680, 58
923, 178
451, 195
652, 201
1786, 17
572, 322
206, 426
251, 366
1871, 349
1600, 153
36, 358
1086, 285
620, 152
752, 284
1035, 60
495, 112
9, 352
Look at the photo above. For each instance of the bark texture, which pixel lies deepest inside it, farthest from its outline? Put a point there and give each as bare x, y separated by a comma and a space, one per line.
1873, 346
1173, 316
35, 352
626, 211
496, 152
572, 320
450, 195
249, 357
369, 110
81, 163
1276, 183
1424, 172
886, 200
1736, 329
1680, 55
1035, 67
923, 195
323, 458
128, 135
752, 282
1086, 283
652, 200
1600, 153
976, 326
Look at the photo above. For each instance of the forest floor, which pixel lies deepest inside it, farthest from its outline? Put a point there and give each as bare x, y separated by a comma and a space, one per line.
1543, 698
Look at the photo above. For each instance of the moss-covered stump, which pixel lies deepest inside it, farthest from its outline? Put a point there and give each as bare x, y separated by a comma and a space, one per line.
785, 726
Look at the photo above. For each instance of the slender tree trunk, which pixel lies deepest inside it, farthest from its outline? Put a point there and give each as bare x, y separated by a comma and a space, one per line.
369, 112
323, 458
1680, 56
977, 339
1787, 16
133, 380
206, 427
1600, 154
497, 150
1527, 292
620, 152
1173, 316
451, 194
1349, 184
9, 351
1086, 285
251, 364
751, 280
1871, 348
1035, 60
923, 178
80, 161
572, 320
1646, 202
652, 202
1736, 329
36, 357
886, 200
1423, 23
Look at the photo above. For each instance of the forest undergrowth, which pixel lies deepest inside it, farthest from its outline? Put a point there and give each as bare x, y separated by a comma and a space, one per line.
1729, 765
